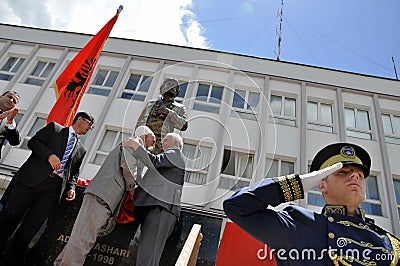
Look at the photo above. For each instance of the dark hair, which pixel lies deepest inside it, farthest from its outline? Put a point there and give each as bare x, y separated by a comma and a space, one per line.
16, 93
85, 115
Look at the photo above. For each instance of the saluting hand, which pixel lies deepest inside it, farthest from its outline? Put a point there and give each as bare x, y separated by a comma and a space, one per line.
314, 178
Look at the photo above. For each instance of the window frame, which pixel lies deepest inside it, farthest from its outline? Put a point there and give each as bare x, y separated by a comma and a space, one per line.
14, 67
182, 82
95, 88
119, 136
28, 136
319, 123
281, 118
356, 129
279, 159
235, 182
396, 179
374, 201
245, 112
201, 173
135, 93
207, 105
40, 79
391, 138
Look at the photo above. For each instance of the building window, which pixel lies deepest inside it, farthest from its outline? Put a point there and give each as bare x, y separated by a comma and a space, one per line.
197, 159
18, 118
40, 73
391, 127
137, 87
11, 67
208, 98
183, 85
39, 123
314, 197
245, 104
103, 82
357, 123
278, 167
319, 116
284, 110
236, 170
372, 204
396, 183
110, 139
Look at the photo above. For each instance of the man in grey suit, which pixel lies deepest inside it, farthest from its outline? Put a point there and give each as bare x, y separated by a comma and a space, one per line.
157, 198
103, 197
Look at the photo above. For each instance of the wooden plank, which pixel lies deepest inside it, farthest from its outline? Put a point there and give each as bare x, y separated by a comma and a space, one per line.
190, 250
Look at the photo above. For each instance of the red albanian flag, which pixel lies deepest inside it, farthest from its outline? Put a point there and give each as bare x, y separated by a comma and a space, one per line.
72, 82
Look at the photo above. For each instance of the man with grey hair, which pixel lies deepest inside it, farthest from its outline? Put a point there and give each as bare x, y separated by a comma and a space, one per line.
103, 197
157, 198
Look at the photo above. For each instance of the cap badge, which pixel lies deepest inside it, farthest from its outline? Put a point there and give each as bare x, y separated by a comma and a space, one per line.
348, 152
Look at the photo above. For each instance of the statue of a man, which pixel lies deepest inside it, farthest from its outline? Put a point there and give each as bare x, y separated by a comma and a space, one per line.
162, 116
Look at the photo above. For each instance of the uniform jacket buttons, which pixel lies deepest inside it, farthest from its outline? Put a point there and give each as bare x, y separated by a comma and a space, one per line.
331, 235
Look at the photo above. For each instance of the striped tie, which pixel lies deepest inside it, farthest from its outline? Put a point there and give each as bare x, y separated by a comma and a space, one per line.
67, 153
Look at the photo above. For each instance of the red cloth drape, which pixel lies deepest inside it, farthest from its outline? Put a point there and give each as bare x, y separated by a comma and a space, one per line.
72, 82
238, 248
125, 214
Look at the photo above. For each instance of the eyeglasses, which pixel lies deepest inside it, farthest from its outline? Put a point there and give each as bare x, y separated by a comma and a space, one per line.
89, 121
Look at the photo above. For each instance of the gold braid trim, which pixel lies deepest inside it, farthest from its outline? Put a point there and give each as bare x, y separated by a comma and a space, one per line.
328, 209
291, 187
285, 188
336, 260
365, 245
396, 248
359, 226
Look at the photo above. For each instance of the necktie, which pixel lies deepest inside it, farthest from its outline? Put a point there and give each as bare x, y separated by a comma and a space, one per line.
67, 153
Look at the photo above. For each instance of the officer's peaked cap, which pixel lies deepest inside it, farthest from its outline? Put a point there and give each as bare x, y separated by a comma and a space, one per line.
347, 153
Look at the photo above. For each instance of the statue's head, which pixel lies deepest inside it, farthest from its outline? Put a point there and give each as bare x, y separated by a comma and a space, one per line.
169, 88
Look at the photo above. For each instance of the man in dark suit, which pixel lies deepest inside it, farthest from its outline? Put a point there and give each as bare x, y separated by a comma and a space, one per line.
157, 198
8, 129
8, 111
52, 166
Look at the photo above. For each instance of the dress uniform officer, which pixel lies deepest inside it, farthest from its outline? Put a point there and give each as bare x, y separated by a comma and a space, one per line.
339, 235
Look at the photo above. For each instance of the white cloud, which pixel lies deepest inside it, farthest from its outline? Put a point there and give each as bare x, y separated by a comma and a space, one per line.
169, 21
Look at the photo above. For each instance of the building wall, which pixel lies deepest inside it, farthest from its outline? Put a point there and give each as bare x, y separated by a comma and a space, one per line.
261, 133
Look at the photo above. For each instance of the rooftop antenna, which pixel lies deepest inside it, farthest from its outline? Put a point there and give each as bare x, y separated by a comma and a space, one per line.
279, 32
394, 66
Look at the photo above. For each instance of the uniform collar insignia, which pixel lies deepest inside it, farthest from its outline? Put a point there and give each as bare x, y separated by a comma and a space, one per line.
340, 209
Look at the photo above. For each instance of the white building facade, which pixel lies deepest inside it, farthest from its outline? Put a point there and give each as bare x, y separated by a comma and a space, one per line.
248, 117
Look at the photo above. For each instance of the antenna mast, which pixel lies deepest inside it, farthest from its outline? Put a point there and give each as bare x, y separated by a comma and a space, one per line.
394, 66
279, 32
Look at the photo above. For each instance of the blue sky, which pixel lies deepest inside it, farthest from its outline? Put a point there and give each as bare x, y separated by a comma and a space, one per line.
359, 36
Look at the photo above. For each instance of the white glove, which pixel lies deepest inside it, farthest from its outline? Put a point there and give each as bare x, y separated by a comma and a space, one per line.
314, 178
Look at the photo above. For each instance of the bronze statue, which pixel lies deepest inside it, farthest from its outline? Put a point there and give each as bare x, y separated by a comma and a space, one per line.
162, 116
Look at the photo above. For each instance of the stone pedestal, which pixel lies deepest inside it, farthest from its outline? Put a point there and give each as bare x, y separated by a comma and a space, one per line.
111, 248
115, 246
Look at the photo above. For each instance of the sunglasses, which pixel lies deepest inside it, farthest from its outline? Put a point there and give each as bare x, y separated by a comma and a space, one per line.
90, 122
